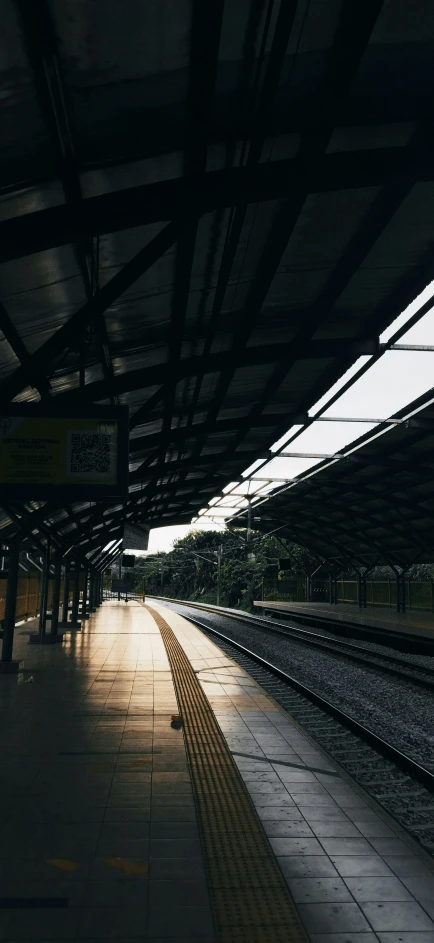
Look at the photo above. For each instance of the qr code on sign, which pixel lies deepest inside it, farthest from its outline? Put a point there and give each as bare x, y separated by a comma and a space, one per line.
90, 453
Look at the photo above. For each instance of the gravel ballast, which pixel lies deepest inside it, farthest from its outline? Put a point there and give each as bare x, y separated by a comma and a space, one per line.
397, 710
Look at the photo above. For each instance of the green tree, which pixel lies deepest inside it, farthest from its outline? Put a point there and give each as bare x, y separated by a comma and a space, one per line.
190, 570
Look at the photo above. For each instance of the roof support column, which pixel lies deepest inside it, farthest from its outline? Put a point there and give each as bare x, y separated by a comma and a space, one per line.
44, 590
41, 637
65, 602
75, 574
56, 597
361, 577
84, 614
92, 591
7, 665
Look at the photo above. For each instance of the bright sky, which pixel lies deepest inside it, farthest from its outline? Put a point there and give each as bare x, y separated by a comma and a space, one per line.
162, 538
388, 385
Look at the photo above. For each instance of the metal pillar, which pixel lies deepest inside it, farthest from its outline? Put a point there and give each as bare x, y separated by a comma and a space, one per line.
56, 594
96, 589
362, 590
41, 638
74, 623
219, 568
84, 613
44, 591
398, 585
249, 526
92, 606
65, 601
7, 665
400, 591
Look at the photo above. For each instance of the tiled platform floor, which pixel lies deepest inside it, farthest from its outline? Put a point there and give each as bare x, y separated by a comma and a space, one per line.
97, 810
355, 876
96, 806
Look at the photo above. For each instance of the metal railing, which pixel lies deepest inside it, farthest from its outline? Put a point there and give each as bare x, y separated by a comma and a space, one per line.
419, 594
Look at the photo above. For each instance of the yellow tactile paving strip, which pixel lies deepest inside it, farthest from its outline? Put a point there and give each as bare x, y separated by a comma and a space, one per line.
249, 897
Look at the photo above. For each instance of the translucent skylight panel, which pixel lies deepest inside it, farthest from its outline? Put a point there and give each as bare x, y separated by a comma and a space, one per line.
408, 313
422, 332
232, 500
286, 468
284, 438
327, 438
266, 489
229, 486
399, 377
220, 512
360, 362
253, 467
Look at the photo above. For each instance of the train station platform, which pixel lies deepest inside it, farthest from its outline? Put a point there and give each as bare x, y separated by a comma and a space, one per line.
409, 623
151, 790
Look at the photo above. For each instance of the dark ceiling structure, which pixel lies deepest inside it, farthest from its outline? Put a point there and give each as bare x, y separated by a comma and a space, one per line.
208, 211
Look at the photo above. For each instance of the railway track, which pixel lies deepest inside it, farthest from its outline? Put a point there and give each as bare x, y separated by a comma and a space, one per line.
381, 662
402, 785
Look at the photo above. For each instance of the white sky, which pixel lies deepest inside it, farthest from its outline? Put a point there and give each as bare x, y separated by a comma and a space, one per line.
390, 384
163, 538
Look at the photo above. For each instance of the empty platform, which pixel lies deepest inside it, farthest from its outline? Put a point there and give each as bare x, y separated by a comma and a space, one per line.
407, 623
132, 766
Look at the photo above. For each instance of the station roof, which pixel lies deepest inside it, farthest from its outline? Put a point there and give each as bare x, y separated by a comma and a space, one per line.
208, 212
373, 505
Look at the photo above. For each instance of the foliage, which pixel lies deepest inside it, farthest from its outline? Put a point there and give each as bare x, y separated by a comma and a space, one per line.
190, 570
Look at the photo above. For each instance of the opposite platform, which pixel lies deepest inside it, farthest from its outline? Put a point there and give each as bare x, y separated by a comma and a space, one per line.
410, 623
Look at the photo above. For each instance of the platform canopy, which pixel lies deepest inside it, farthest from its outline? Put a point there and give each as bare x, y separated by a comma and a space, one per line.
208, 212
373, 504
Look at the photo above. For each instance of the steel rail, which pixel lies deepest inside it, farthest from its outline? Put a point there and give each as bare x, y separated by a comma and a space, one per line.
400, 759
347, 650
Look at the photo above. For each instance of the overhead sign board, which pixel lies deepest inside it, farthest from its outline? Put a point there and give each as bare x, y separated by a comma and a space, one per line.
136, 537
128, 560
48, 450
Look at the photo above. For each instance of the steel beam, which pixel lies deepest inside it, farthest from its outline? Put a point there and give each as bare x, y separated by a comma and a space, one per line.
158, 202
44, 357
352, 36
